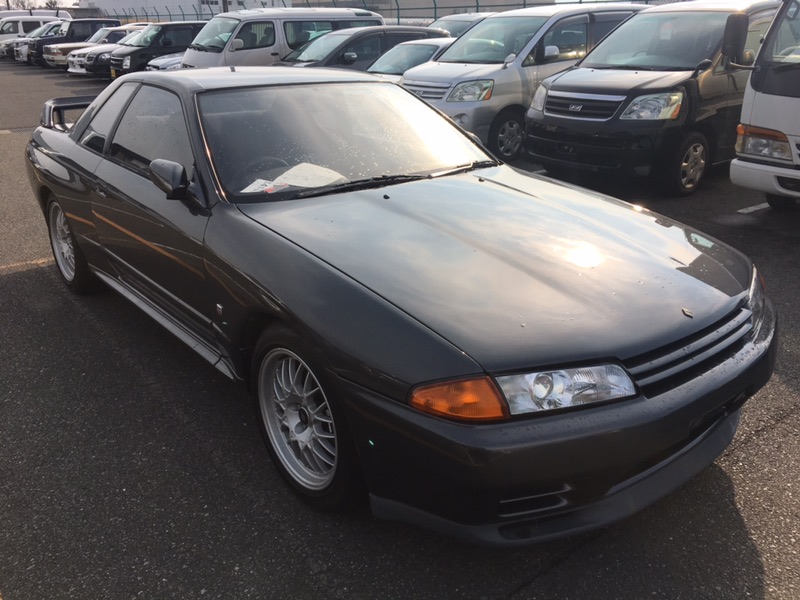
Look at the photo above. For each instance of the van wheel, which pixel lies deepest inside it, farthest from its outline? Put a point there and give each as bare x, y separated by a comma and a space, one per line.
781, 202
688, 165
506, 134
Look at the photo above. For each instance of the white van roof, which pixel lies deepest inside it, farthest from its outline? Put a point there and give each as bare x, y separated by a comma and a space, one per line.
20, 14
255, 13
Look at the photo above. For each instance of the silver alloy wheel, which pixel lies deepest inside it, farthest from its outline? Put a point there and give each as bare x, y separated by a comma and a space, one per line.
509, 138
693, 164
62, 242
298, 419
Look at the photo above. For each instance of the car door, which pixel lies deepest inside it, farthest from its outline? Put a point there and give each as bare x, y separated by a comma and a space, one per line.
259, 45
358, 53
154, 244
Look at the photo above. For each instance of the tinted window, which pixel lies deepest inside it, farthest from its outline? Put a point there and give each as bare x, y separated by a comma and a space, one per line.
177, 36
100, 127
82, 30
367, 48
569, 38
28, 26
152, 127
301, 32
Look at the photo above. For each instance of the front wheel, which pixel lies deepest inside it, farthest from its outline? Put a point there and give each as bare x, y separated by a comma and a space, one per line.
301, 422
506, 134
782, 202
687, 165
69, 259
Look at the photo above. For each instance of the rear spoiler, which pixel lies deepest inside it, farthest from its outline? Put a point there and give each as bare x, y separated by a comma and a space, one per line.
54, 112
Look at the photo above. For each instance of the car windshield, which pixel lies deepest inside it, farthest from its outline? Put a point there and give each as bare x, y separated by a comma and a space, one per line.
98, 35
214, 34
318, 48
130, 38
492, 40
149, 34
39, 31
280, 142
401, 58
667, 41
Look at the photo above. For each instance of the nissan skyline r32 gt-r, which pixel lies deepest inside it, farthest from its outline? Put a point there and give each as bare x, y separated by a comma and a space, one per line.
484, 352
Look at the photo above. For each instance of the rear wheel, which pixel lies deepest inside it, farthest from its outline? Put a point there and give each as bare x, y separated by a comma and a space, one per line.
506, 134
781, 202
302, 423
69, 259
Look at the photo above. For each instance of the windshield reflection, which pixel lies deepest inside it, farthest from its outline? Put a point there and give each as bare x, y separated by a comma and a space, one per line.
269, 143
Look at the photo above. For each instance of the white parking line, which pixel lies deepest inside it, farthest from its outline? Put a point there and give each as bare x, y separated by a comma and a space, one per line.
24, 266
755, 208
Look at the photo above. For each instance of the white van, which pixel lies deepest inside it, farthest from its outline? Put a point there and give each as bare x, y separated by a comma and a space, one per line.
768, 141
12, 26
485, 80
263, 36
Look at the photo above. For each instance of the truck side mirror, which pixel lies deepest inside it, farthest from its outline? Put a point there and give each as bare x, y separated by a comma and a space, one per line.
735, 36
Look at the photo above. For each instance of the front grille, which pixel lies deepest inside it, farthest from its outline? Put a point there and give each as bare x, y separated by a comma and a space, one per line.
90, 59
116, 63
427, 91
582, 106
678, 363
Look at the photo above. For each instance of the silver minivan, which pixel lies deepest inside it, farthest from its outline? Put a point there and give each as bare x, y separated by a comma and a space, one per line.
263, 36
485, 80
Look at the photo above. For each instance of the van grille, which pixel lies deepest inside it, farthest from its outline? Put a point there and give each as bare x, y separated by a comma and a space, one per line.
582, 106
427, 91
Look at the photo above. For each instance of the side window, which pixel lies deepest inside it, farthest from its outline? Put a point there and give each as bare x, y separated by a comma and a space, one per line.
28, 26
257, 34
178, 37
152, 127
81, 31
98, 130
570, 38
603, 23
9, 27
361, 23
392, 39
757, 30
299, 32
367, 48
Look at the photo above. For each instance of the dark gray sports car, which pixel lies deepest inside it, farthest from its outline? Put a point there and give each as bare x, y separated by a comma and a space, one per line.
484, 352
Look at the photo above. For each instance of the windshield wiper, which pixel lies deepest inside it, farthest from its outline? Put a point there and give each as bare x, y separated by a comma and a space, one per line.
198, 47
481, 164
358, 184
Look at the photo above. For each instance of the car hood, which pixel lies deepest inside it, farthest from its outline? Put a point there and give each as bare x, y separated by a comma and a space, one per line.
519, 271
446, 72
616, 81
66, 48
99, 49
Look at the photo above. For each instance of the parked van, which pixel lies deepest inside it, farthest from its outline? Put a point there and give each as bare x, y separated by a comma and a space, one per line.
263, 36
21, 26
655, 98
768, 141
486, 79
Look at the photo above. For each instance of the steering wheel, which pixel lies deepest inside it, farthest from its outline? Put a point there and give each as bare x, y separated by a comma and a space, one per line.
259, 167
637, 53
789, 51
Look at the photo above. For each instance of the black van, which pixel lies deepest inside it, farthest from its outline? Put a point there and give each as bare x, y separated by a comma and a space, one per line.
656, 97
156, 40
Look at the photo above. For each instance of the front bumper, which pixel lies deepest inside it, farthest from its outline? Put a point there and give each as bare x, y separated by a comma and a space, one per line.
598, 146
544, 477
770, 179
475, 117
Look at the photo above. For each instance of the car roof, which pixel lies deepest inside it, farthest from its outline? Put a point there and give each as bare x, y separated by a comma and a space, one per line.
214, 78
473, 16
434, 41
404, 28
552, 10
281, 12
715, 5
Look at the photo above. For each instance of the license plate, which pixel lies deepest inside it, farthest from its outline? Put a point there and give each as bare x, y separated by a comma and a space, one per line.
113, 73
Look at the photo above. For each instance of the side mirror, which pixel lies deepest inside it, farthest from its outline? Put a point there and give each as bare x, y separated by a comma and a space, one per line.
237, 44
349, 58
748, 58
508, 60
735, 36
170, 177
551, 52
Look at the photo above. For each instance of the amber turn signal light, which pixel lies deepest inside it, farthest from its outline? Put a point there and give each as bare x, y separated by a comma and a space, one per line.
465, 400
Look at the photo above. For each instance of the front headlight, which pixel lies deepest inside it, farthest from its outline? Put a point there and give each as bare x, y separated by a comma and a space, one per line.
655, 107
763, 143
46, 50
539, 98
763, 313
472, 91
126, 63
103, 58
563, 388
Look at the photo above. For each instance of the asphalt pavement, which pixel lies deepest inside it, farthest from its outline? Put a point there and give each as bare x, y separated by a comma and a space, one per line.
129, 468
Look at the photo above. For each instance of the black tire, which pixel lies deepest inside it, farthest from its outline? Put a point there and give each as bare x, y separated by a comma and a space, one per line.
70, 261
785, 203
302, 423
686, 167
507, 134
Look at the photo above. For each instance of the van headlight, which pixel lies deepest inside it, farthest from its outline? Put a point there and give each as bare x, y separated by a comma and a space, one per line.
539, 98
763, 143
126, 63
472, 91
655, 107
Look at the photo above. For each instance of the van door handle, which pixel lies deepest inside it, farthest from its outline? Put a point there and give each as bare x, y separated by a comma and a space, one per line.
275, 54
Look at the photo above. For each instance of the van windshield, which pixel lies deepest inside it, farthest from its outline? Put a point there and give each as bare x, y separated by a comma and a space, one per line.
667, 41
214, 34
492, 40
